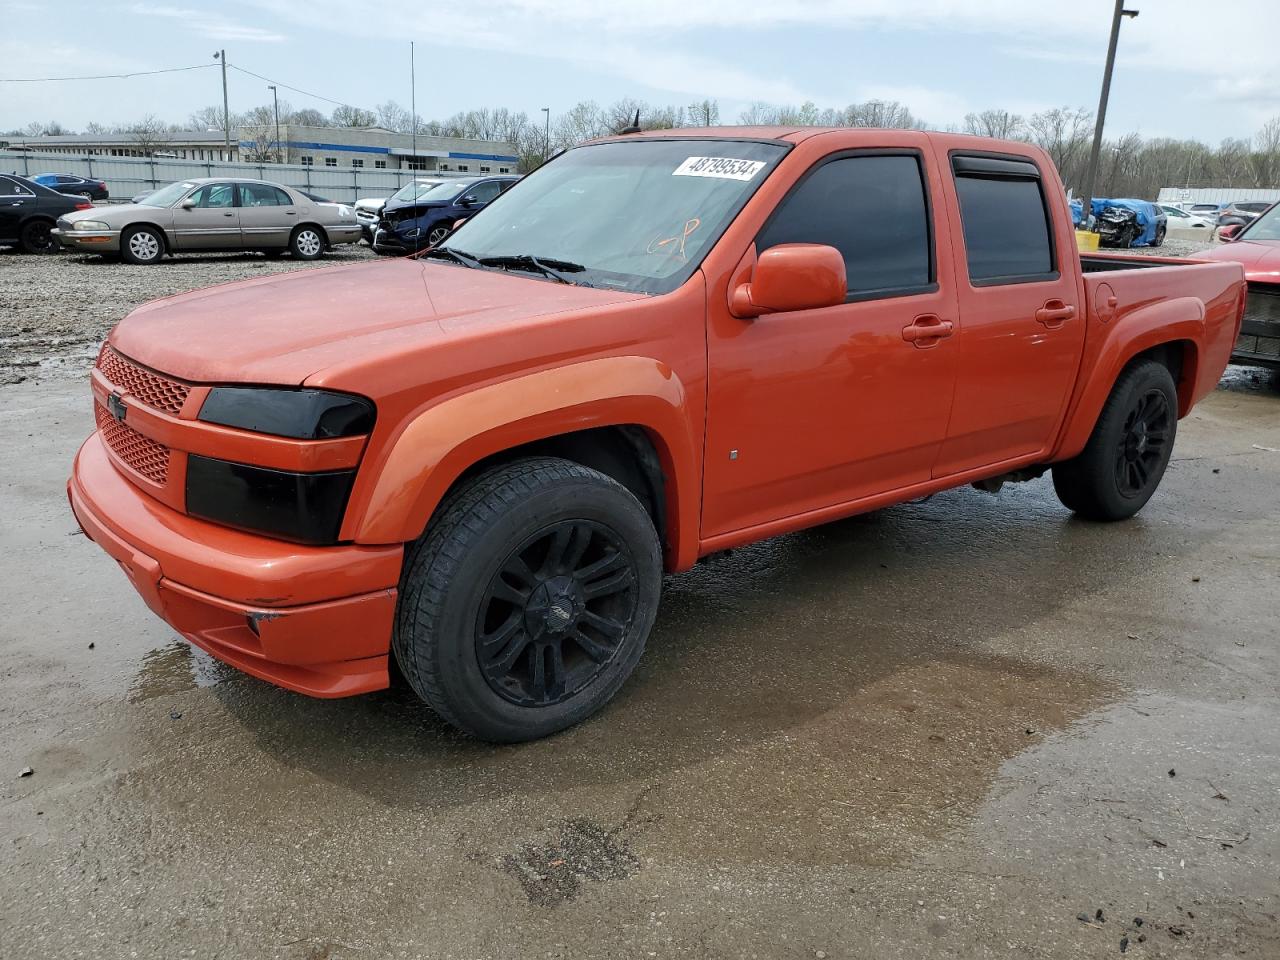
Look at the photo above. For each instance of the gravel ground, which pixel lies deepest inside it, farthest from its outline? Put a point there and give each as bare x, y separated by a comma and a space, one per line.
55, 310
46, 334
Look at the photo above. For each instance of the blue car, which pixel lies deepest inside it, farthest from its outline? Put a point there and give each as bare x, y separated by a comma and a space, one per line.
73, 186
411, 225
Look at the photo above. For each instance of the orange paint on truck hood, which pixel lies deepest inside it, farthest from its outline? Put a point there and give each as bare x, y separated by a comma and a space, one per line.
284, 328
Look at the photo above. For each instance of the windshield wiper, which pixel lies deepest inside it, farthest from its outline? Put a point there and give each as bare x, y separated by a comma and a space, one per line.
463, 258
548, 266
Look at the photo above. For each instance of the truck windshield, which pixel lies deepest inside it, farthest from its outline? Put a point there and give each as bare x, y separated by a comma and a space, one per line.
1266, 227
635, 215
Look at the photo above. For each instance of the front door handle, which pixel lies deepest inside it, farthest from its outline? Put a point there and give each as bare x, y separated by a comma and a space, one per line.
1055, 313
926, 330
228, 214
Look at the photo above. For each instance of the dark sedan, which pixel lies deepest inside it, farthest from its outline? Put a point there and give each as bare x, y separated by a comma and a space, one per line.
74, 186
28, 212
412, 225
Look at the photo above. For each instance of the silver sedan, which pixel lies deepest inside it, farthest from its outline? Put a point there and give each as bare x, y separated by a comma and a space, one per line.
211, 214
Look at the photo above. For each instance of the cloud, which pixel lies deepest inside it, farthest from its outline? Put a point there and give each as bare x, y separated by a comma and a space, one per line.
215, 26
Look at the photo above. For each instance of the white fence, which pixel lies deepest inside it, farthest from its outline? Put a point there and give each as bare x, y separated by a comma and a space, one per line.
1216, 195
127, 176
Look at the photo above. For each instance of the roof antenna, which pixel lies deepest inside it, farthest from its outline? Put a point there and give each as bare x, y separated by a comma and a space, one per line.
634, 128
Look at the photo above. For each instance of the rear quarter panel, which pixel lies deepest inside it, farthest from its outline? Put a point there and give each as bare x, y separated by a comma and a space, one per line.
1195, 304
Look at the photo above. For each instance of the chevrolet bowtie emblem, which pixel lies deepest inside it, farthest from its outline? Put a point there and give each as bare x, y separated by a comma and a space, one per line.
116, 407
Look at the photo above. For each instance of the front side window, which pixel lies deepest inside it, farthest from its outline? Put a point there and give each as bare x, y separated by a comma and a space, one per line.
215, 196
486, 191
872, 209
627, 214
1005, 222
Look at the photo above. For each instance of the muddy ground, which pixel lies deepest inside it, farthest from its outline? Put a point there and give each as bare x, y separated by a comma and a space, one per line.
972, 727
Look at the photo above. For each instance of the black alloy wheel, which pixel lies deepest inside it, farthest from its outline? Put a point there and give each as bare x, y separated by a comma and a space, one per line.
1140, 452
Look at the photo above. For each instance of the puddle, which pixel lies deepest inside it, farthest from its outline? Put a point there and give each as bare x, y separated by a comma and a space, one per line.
174, 669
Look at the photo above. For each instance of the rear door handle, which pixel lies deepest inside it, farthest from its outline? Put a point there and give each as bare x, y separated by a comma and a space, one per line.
926, 330
1055, 313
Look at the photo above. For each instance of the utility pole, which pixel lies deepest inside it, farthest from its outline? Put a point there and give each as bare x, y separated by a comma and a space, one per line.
546, 142
275, 99
226, 114
1091, 174
413, 108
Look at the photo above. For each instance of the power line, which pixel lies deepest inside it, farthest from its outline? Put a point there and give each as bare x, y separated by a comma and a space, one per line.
107, 76
305, 93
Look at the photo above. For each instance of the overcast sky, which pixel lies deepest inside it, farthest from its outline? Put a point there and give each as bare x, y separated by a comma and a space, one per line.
1186, 68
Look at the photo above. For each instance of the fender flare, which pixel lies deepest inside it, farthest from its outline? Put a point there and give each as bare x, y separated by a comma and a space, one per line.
438, 443
1134, 332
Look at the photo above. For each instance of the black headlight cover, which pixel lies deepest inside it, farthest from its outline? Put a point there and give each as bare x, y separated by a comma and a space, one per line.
304, 507
304, 414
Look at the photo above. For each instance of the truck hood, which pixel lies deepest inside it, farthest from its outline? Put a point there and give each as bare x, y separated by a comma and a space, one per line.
284, 328
1260, 258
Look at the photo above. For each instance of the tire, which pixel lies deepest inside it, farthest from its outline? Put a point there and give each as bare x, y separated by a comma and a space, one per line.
1159, 240
1122, 464
141, 245
486, 599
88, 196
437, 234
37, 237
307, 242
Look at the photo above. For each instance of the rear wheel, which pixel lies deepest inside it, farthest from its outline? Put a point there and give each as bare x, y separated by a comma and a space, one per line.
141, 245
1126, 456
307, 243
528, 601
37, 237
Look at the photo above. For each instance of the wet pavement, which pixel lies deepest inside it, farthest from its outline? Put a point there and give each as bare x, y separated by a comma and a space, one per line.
955, 728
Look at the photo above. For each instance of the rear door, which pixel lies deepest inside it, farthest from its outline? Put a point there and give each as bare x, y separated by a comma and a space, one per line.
213, 223
1022, 318
267, 215
16, 202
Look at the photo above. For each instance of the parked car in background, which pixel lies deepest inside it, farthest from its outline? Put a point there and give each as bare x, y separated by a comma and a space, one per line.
1210, 211
369, 210
1242, 212
211, 214
28, 212
482, 461
1177, 217
74, 186
1256, 245
407, 226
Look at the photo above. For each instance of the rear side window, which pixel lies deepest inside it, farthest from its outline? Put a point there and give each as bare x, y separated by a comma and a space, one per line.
872, 209
263, 195
1006, 225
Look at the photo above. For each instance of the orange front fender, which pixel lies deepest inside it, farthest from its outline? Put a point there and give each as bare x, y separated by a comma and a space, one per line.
1128, 335
437, 444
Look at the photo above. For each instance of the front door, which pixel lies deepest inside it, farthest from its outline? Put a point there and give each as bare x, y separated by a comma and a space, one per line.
16, 201
815, 408
213, 223
1021, 314
267, 216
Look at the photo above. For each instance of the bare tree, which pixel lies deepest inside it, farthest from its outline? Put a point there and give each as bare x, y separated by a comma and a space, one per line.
349, 116
307, 117
1065, 133
148, 134
1000, 124
1266, 154
704, 113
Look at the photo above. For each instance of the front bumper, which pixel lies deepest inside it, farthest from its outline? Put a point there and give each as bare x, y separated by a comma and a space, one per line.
316, 620
104, 241
387, 241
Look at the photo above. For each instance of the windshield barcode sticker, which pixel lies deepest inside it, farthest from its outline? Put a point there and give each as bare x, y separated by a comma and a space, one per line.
724, 168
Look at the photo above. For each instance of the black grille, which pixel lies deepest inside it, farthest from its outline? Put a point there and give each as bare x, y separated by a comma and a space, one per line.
1262, 305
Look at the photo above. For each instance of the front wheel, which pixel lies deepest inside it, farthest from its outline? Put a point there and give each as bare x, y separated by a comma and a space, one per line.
1159, 240
528, 601
141, 245
1128, 451
437, 234
306, 243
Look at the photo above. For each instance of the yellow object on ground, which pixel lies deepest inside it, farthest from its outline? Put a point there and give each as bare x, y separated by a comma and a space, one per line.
1086, 241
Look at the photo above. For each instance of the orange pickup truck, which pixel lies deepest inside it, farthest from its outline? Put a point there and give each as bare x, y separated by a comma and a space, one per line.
480, 461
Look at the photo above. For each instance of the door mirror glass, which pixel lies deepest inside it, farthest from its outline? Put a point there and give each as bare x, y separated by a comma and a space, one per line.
792, 276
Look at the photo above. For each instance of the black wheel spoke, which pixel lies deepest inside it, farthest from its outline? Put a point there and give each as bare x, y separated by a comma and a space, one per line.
604, 565
606, 625
593, 649
498, 638
516, 569
502, 590
606, 586
507, 658
568, 544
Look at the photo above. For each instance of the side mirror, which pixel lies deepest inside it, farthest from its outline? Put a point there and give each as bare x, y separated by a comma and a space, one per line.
1229, 232
188, 204
791, 276
467, 202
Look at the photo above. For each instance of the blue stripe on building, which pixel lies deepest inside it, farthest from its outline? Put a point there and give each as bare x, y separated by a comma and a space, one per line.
348, 148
